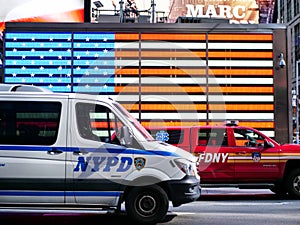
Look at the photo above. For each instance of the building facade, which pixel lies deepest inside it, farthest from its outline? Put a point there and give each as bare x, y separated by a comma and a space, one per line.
289, 14
164, 74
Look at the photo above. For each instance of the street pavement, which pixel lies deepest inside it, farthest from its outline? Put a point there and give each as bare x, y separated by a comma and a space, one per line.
217, 206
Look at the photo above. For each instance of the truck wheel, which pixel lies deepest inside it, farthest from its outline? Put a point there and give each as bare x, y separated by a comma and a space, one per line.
293, 183
147, 205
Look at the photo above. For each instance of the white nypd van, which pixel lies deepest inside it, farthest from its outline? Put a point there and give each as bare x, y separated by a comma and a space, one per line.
63, 150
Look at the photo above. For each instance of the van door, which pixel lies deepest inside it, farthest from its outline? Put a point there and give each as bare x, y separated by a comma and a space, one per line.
32, 151
97, 163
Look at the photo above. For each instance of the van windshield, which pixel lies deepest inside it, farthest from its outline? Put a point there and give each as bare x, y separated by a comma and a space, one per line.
134, 122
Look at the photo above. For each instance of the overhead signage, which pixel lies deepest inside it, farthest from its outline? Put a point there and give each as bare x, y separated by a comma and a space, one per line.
41, 11
237, 11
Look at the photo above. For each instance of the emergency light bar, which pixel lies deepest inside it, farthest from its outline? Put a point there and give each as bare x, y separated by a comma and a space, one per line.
231, 122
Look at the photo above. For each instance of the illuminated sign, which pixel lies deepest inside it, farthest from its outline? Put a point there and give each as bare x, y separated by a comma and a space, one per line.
39, 58
237, 11
185, 78
225, 11
60, 62
41, 11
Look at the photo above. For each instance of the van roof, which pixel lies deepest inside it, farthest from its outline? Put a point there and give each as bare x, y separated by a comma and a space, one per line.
35, 91
21, 88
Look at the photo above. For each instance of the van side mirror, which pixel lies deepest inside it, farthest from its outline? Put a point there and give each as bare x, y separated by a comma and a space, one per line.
125, 136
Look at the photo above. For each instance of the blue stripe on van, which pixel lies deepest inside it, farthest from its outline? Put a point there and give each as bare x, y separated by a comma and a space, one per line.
32, 193
103, 150
94, 193
28, 148
61, 193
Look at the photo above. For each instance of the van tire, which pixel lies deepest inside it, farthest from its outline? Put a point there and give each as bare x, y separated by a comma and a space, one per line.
147, 204
293, 183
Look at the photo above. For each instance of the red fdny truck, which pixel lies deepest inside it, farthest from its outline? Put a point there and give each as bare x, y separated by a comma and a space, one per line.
238, 156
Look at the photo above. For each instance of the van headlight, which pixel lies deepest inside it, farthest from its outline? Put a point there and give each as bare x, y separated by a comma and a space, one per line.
186, 166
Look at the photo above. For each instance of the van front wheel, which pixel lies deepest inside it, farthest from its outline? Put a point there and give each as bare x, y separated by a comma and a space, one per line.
147, 205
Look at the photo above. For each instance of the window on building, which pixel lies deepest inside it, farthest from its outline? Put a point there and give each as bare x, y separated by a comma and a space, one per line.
296, 7
289, 10
297, 42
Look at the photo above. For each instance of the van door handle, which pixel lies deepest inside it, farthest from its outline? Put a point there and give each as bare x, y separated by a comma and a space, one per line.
78, 152
54, 151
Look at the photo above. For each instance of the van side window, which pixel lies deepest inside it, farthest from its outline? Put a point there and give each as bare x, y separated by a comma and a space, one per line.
212, 137
97, 122
29, 123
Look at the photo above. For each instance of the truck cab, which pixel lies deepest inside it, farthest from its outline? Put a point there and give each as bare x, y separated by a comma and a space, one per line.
232, 155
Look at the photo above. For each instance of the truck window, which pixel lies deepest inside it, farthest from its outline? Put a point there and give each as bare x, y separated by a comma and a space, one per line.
175, 136
29, 123
98, 123
248, 138
212, 137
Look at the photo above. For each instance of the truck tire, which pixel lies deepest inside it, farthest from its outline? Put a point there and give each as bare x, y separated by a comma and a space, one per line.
293, 183
147, 205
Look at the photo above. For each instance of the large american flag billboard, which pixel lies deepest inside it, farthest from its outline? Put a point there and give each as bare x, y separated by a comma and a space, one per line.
161, 78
